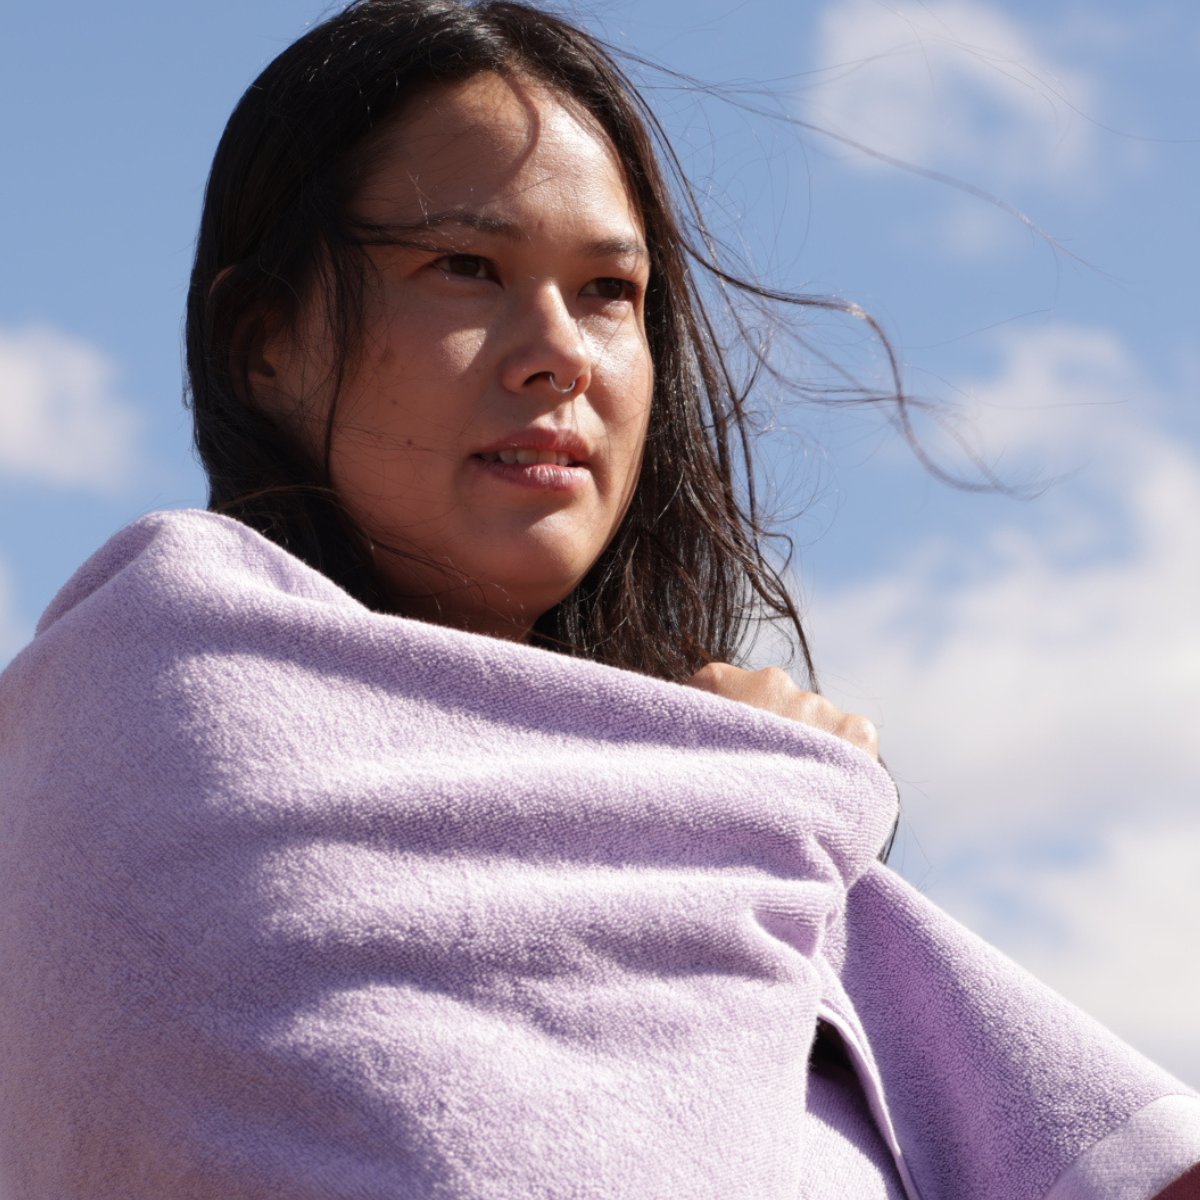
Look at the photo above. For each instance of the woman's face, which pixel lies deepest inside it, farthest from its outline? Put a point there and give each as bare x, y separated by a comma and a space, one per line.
492, 422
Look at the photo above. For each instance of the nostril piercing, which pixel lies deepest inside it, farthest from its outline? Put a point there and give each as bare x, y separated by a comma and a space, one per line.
563, 391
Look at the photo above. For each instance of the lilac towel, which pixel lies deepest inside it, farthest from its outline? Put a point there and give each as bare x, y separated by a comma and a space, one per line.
301, 901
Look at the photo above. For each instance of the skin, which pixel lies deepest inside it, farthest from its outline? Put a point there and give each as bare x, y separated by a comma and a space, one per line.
772, 689
528, 279
529, 276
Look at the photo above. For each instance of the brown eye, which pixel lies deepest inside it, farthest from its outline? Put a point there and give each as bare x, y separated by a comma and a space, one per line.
608, 288
464, 266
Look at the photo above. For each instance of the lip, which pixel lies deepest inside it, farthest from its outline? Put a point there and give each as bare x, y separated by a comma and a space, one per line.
535, 437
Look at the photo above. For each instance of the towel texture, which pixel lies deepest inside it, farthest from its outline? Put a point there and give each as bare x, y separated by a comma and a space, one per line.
301, 901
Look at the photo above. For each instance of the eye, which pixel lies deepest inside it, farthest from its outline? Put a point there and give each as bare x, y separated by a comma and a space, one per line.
611, 288
465, 266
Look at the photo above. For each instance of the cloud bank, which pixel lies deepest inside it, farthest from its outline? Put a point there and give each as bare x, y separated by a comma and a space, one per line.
62, 422
956, 85
1037, 685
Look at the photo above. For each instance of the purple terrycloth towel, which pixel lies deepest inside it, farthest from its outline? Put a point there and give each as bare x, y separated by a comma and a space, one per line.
302, 901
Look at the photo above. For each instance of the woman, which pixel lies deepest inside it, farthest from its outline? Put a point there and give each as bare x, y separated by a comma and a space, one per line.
370, 875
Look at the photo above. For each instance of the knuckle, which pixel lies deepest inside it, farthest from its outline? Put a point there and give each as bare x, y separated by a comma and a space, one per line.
713, 677
860, 730
778, 683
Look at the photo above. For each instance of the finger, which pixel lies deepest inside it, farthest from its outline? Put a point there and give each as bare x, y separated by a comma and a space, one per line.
859, 731
769, 688
713, 677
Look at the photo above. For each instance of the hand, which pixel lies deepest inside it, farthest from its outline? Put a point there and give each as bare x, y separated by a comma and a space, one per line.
772, 689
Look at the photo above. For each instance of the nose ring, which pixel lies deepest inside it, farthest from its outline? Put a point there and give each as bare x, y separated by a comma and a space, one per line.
563, 391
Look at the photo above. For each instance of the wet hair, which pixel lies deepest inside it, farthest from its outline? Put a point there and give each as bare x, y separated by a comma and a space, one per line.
686, 577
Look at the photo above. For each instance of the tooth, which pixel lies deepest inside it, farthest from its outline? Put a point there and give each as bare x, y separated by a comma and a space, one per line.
527, 458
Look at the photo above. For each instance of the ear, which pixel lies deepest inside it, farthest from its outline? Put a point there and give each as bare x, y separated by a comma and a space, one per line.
259, 356
255, 349
259, 351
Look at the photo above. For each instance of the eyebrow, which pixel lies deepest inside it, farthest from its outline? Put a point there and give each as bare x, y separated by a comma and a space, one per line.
607, 247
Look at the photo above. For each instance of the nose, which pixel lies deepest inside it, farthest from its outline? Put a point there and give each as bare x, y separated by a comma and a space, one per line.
548, 354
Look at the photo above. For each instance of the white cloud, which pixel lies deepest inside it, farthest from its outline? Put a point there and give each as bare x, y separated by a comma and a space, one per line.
61, 422
953, 85
1061, 659
1038, 691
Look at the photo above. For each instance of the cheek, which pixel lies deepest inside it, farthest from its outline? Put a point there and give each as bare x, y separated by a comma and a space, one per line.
631, 403
409, 340
628, 421
412, 391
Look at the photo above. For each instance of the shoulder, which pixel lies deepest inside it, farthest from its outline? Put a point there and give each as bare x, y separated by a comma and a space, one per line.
153, 624
179, 557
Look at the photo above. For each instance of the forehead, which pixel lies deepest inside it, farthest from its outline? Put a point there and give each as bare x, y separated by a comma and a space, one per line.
495, 142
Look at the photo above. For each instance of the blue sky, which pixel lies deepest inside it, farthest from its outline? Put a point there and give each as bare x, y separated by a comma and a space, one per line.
1034, 664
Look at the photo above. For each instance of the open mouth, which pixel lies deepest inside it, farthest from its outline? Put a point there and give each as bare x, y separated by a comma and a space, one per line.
529, 458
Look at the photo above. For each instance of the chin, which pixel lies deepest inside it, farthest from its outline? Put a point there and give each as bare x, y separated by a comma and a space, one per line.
525, 607
534, 578
508, 607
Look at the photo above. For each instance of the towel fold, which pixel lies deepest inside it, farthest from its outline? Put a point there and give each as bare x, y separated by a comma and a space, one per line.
298, 900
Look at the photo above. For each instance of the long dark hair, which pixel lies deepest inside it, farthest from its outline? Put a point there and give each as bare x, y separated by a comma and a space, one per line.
686, 577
